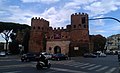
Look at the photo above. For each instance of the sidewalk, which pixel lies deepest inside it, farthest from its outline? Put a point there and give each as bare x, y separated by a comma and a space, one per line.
10, 57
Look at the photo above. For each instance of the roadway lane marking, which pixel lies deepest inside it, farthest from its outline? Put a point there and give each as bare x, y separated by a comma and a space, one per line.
88, 66
62, 62
94, 67
82, 65
12, 72
74, 64
67, 70
111, 70
103, 68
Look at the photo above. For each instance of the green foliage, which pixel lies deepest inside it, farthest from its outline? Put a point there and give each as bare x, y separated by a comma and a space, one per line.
25, 42
44, 41
14, 47
98, 41
12, 26
10, 30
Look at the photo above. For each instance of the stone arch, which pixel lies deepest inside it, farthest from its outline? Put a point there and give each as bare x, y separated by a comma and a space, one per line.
57, 49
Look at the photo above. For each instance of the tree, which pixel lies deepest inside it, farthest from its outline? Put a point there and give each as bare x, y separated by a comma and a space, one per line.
44, 41
25, 41
21, 37
6, 35
98, 42
8, 30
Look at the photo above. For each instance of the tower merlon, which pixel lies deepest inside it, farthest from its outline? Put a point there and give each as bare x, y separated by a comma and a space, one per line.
38, 18
77, 14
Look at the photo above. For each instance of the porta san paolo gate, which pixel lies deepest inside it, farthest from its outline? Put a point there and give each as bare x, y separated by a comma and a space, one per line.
72, 41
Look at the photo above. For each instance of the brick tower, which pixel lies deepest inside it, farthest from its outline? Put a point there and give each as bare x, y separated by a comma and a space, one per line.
79, 34
38, 27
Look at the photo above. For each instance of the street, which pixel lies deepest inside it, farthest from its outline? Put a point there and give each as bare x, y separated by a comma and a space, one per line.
107, 64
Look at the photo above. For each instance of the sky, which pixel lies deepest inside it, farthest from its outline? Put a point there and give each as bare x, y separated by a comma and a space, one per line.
58, 13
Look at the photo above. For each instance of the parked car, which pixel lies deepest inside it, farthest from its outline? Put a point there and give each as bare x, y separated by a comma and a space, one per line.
59, 56
2, 54
47, 55
102, 55
28, 57
89, 55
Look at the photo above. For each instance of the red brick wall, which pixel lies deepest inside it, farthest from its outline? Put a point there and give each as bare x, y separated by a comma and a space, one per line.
78, 32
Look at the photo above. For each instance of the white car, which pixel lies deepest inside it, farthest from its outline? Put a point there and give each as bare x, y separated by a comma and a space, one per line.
2, 54
102, 55
47, 55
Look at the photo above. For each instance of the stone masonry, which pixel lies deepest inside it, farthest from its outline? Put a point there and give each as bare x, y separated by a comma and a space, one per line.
72, 41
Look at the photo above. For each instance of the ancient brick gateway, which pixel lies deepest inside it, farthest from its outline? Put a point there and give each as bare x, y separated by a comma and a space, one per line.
73, 40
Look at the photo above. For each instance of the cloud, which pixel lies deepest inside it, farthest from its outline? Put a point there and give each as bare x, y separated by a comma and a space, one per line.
77, 4
16, 14
102, 7
40, 1
59, 14
100, 31
99, 22
57, 18
115, 28
60, 17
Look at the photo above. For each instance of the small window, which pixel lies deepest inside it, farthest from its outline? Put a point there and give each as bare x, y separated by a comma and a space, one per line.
66, 37
84, 26
33, 27
42, 28
48, 37
38, 27
74, 26
83, 20
51, 37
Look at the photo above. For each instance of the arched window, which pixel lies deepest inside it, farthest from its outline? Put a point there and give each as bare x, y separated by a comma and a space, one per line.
42, 28
79, 25
84, 26
74, 26
33, 27
38, 27
83, 20
66, 37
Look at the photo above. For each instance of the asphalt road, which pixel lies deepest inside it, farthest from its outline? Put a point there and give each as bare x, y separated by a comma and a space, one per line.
108, 64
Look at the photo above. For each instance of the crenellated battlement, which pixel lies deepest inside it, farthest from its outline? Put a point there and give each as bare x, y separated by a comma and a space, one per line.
58, 28
39, 22
60, 39
38, 18
77, 14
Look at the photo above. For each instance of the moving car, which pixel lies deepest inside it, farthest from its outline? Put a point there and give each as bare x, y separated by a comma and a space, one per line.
89, 55
59, 56
28, 57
